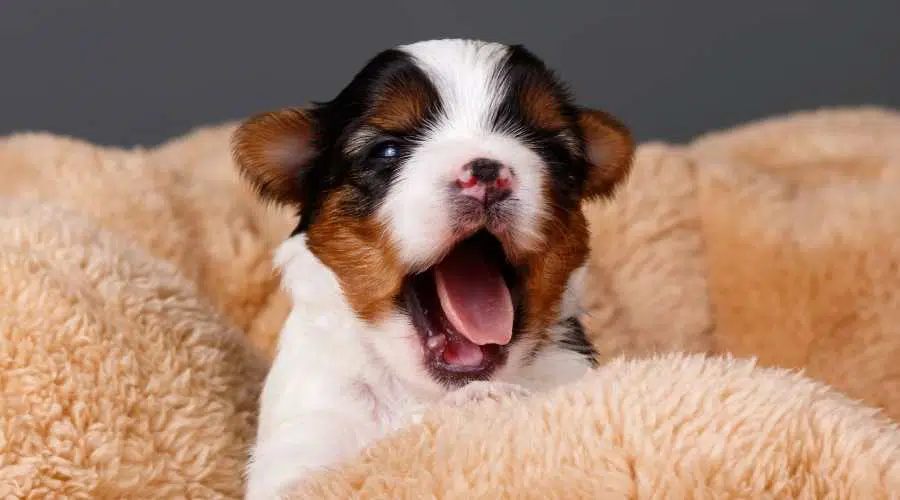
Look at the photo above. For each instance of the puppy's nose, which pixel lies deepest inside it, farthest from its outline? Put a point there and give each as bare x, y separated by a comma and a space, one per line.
486, 180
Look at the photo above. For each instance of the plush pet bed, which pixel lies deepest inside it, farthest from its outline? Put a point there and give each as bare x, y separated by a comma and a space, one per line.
138, 308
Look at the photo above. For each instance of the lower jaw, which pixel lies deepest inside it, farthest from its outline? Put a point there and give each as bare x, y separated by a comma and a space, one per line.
435, 361
455, 376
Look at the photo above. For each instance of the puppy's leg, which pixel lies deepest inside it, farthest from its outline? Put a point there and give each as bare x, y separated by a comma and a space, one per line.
301, 446
314, 413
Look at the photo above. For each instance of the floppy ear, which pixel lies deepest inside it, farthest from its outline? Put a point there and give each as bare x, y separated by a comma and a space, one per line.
609, 150
273, 151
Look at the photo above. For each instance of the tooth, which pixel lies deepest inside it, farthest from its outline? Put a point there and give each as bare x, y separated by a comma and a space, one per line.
436, 342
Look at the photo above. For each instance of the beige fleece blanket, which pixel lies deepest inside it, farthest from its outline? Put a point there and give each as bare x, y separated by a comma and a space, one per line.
138, 306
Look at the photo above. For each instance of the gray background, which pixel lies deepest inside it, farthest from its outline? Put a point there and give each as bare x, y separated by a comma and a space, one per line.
137, 72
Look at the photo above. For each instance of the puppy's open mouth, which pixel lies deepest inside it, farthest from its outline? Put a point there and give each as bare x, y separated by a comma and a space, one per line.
466, 309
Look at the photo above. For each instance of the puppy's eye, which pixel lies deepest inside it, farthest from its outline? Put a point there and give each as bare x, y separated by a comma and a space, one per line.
386, 151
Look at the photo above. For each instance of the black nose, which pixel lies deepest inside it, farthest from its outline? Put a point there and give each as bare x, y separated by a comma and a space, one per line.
485, 170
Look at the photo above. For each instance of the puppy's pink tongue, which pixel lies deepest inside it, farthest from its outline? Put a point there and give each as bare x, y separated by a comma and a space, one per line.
474, 297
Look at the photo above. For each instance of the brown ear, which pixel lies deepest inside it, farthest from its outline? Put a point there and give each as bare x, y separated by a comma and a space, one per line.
609, 149
273, 150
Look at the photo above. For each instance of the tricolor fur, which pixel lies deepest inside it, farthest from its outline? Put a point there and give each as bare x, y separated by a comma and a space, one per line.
435, 151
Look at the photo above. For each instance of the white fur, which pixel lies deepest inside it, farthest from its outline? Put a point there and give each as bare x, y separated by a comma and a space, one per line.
324, 397
337, 384
465, 74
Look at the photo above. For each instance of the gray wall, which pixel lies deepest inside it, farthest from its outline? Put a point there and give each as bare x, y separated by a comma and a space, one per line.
137, 72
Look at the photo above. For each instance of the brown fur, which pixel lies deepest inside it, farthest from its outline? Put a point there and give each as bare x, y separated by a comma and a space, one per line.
404, 108
566, 233
542, 108
269, 148
360, 254
610, 148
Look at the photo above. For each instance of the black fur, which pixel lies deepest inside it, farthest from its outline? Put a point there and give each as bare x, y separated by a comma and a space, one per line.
521, 70
370, 179
575, 339
335, 120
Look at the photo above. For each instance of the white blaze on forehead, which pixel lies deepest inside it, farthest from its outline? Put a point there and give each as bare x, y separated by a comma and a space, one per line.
469, 79
467, 75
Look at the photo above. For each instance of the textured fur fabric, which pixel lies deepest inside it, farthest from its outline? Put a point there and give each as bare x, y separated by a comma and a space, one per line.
131, 280
668, 427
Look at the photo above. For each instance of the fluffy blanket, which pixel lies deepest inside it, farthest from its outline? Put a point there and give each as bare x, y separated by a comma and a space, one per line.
138, 308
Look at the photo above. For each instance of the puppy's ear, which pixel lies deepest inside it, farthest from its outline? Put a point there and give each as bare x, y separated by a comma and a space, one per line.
273, 152
609, 150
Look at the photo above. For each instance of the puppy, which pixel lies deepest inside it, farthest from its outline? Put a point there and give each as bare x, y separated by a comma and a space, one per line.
440, 247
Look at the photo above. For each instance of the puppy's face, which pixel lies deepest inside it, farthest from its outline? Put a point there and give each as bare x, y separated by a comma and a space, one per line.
443, 187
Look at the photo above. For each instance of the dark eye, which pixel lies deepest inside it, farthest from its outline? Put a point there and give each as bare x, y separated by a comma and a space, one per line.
386, 151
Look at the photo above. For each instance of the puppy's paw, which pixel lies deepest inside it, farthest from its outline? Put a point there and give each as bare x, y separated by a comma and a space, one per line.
475, 392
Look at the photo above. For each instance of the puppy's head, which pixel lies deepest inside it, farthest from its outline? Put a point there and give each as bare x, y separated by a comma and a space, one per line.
443, 187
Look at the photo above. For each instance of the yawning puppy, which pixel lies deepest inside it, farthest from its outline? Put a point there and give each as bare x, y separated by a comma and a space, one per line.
440, 243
